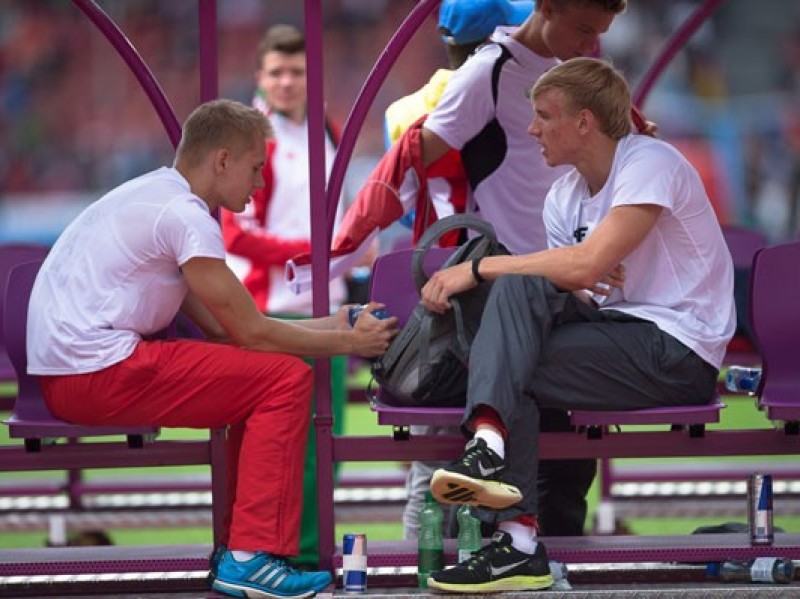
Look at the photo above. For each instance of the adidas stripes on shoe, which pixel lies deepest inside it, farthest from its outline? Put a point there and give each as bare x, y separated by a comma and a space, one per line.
266, 577
474, 479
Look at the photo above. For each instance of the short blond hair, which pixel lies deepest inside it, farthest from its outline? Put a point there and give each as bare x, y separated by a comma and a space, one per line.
594, 85
222, 124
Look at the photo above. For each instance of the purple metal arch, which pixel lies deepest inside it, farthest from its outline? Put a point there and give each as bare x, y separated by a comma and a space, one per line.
209, 89
321, 228
136, 64
367, 96
320, 252
673, 45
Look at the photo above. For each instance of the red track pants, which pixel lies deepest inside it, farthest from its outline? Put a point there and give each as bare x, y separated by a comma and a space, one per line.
265, 399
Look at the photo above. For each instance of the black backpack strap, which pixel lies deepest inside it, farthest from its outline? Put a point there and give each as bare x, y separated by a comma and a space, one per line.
435, 231
483, 154
505, 56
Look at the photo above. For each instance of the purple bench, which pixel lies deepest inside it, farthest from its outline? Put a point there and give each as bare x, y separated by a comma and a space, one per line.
393, 285
32, 421
743, 244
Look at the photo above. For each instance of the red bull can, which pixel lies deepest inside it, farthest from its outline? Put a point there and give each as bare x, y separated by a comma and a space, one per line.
354, 563
759, 513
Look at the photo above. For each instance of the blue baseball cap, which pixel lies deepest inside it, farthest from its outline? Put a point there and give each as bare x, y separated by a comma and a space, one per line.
469, 21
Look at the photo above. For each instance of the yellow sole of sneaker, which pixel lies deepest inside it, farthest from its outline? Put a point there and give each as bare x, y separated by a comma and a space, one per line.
450, 487
512, 583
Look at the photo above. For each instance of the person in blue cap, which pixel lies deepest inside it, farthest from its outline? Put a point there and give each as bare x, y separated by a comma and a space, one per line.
464, 25
480, 115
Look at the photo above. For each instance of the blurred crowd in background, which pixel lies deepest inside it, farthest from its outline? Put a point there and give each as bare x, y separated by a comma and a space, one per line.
74, 121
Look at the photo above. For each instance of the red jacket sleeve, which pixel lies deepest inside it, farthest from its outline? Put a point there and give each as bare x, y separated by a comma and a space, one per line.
377, 204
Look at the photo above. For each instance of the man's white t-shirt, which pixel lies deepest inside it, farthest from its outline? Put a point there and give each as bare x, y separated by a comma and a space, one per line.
114, 274
681, 276
511, 196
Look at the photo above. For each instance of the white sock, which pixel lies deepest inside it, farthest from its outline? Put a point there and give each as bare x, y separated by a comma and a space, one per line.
494, 440
243, 556
523, 537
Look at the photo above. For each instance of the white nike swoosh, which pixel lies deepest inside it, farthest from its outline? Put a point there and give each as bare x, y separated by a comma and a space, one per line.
504, 569
488, 471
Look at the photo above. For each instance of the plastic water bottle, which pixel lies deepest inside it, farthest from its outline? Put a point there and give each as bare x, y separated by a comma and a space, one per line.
743, 379
763, 569
469, 533
430, 545
560, 574
354, 312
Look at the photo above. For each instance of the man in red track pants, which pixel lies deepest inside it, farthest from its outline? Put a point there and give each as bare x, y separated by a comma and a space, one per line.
122, 271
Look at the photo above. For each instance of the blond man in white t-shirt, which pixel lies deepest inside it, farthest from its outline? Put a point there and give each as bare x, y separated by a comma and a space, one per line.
122, 271
631, 307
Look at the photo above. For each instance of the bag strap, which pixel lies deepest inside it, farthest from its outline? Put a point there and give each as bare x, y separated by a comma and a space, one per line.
435, 231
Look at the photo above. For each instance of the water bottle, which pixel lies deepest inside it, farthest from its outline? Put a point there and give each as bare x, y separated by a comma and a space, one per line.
742, 379
560, 574
430, 545
469, 533
355, 311
763, 569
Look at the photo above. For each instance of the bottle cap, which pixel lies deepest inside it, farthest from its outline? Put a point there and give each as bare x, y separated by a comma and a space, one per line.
428, 496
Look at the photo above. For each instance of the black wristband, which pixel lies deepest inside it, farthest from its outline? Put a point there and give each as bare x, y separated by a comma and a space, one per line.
475, 274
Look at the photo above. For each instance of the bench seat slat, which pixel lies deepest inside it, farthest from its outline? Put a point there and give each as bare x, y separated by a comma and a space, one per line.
702, 414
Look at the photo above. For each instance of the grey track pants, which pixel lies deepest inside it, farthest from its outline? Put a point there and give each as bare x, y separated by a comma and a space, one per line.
538, 347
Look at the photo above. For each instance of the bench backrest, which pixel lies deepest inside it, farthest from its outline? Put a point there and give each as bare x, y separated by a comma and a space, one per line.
775, 314
31, 417
743, 243
12, 254
393, 284
15, 320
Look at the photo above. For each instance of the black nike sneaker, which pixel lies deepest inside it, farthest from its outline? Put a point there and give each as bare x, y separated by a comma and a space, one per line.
496, 567
474, 480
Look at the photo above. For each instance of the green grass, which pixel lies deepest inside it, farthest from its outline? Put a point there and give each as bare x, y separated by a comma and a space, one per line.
740, 413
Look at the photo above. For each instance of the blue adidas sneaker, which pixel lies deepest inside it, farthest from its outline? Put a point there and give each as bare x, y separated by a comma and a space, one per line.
213, 564
266, 577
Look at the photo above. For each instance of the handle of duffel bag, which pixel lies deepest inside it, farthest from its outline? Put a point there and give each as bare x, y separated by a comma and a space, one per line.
435, 231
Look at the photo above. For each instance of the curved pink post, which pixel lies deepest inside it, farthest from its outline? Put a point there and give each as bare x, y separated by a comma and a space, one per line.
320, 252
366, 97
320, 233
137, 65
674, 44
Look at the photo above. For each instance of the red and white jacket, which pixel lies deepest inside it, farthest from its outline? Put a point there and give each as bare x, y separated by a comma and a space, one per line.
275, 225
